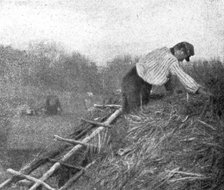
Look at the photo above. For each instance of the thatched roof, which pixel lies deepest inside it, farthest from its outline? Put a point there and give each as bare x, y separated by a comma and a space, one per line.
170, 148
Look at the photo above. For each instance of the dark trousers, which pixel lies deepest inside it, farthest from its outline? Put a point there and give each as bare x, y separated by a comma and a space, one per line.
135, 91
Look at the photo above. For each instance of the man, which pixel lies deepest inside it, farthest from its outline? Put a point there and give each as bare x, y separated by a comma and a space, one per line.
53, 105
156, 68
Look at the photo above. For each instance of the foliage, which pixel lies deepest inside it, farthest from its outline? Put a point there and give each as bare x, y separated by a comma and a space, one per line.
46, 65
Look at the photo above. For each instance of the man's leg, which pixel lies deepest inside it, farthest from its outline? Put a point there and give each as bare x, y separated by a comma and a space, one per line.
145, 92
131, 90
169, 86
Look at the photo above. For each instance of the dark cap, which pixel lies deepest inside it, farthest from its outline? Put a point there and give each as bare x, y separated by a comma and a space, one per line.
187, 48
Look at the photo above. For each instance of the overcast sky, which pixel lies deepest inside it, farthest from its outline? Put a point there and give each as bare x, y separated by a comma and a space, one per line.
102, 29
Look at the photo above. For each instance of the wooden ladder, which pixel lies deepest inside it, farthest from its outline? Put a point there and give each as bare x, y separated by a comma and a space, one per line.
18, 175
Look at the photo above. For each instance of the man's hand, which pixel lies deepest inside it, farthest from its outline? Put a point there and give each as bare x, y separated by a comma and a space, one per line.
204, 92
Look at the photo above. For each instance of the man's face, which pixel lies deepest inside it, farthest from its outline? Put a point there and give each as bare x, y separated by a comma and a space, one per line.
180, 55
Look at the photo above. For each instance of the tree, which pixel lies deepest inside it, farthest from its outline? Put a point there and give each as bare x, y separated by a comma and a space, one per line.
115, 70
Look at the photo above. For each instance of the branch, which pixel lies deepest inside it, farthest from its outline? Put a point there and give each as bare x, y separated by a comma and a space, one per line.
188, 178
71, 141
66, 165
96, 123
206, 124
107, 105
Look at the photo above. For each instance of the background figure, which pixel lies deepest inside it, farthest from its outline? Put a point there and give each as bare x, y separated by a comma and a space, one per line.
53, 105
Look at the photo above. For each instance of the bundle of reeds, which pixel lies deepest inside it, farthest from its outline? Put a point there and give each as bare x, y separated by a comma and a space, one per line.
164, 149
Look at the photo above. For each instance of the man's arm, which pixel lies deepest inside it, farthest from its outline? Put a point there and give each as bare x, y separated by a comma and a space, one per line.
188, 82
202, 91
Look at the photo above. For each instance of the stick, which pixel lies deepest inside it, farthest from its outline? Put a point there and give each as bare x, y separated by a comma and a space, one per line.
6, 183
214, 145
187, 97
188, 178
187, 173
30, 178
96, 123
24, 182
66, 165
73, 150
71, 141
107, 105
206, 124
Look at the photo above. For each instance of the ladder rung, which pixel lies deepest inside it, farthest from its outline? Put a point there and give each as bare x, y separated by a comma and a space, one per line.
73, 142
96, 123
65, 164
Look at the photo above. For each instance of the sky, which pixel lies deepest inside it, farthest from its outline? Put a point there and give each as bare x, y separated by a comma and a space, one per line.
103, 29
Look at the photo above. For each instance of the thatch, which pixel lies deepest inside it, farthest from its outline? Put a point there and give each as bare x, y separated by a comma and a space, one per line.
170, 148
